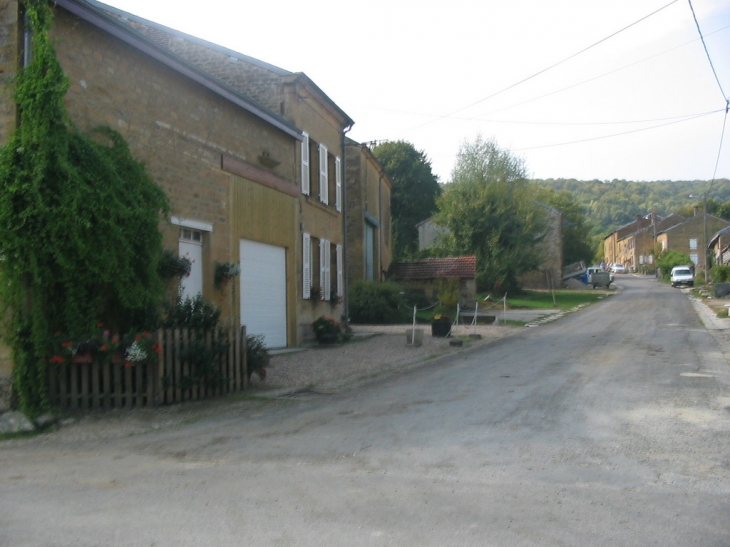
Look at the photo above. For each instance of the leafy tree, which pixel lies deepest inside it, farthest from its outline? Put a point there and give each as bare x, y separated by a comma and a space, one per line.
79, 220
490, 211
413, 198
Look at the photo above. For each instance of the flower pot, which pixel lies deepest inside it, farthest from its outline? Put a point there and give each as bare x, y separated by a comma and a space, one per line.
325, 338
441, 329
82, 358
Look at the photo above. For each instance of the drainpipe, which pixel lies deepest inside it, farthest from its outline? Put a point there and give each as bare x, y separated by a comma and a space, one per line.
380, 229
345, 246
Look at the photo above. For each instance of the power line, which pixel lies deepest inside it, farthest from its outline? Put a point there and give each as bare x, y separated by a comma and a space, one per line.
616, 134
550, 67
724, 95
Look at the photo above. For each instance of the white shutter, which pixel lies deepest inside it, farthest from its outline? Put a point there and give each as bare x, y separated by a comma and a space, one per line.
324, 268
338, 184
340, 277
323, 175
305, 164
306, 266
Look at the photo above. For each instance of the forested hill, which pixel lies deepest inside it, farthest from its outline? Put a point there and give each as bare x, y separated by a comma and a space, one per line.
610, 204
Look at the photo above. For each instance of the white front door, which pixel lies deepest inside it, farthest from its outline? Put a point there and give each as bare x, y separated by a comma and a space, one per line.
192, 285
263, 291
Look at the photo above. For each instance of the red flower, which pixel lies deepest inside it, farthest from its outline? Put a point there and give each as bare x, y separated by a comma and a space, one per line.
56, 359
127, 365
115, 340
146, 334
138, 338
66, 344
100, 324
104, 347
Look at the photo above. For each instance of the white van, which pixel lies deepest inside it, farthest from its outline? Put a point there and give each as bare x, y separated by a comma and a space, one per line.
682, 275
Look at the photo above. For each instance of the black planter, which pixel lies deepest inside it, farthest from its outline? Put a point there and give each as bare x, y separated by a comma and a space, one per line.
327, 337
441, 329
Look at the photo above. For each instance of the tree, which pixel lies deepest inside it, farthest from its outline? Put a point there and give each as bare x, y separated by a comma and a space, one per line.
489, 210
79, 235
413, 198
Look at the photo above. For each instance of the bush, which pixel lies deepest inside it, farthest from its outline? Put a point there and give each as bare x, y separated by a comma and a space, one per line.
257, 356
376, 303
191, 313
669, 260
720, 274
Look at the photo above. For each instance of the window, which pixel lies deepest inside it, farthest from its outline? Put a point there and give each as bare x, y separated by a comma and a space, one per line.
323, 175
693, 243
305, 164
695, 258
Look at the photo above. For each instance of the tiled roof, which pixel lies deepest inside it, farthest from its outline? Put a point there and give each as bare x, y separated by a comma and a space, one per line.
461, 267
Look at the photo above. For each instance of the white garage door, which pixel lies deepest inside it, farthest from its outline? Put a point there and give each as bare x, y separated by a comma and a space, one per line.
263, 291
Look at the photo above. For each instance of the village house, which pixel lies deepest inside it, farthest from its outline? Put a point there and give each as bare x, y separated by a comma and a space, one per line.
369, 245
613, 251
251, 157
719, 247
636, 251
692, 237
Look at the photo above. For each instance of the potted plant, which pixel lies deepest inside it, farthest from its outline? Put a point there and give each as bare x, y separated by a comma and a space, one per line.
326, 330
224, 272
441, 325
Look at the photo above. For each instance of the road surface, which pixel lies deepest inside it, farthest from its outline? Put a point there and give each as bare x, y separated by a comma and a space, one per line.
610, 426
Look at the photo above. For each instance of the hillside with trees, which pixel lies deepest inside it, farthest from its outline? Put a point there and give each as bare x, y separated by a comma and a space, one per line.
610, 204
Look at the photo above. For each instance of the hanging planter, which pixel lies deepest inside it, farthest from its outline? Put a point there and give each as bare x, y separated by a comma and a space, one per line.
224, 272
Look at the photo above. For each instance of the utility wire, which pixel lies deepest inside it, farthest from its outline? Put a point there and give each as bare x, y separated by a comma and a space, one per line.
724, 95
548, 68
616, 134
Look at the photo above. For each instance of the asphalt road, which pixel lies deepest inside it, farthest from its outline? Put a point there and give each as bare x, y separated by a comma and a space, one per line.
608, 427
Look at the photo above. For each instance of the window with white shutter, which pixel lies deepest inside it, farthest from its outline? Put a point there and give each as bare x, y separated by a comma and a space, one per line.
306, 266
324, 268
338, 184
305, 164
340, 276
323, 175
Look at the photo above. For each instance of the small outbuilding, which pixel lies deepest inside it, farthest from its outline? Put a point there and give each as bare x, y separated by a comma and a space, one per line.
423, 275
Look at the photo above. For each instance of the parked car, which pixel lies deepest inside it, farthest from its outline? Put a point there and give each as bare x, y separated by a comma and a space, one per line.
618, 268
682, 275
598, 277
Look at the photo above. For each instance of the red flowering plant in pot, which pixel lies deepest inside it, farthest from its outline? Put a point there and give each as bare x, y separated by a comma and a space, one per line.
326, 330
101, 346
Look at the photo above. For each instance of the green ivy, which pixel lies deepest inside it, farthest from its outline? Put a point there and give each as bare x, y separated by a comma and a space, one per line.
79, 236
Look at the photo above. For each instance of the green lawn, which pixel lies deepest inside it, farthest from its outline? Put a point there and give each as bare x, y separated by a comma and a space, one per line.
564, 300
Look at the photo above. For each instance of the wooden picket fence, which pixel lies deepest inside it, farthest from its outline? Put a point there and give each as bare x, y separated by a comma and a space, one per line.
171, 378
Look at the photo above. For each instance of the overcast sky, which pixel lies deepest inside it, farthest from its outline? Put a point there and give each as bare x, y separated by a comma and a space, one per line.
641, 105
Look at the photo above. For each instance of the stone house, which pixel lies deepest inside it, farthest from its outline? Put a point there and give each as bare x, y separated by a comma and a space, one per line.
423, 276
613, 251
250, 156
369, 250
637, 249
692, 237
319, 255
719, 247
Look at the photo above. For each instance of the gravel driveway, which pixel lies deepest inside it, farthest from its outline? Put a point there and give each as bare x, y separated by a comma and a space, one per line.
375, 351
